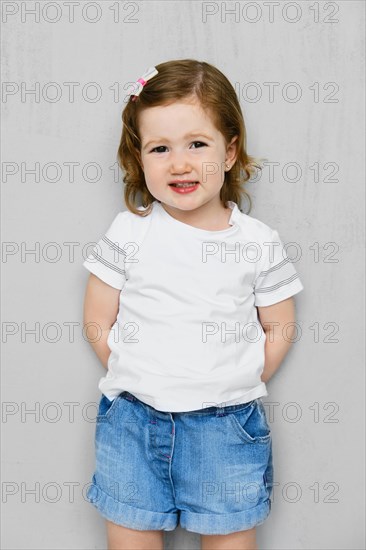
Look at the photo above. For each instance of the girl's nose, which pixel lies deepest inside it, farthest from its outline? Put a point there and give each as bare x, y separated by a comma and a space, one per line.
179, 163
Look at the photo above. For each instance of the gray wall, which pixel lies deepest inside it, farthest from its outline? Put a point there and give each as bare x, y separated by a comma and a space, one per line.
318, 455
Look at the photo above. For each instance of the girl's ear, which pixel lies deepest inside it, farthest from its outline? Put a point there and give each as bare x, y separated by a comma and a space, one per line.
232, 151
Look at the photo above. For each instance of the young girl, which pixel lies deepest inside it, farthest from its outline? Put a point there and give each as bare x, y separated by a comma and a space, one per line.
191, 302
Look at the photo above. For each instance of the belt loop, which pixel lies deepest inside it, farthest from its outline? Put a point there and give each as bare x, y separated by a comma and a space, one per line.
220, 411
128, 395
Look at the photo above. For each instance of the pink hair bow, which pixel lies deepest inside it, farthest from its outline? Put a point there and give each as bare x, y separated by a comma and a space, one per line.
149, 73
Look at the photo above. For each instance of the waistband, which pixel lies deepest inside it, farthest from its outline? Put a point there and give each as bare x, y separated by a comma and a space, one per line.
218, 411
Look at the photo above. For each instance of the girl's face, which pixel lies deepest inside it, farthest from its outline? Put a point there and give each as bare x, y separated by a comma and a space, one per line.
180, 143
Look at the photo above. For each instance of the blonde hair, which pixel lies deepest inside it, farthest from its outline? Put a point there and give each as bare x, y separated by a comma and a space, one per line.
179, 80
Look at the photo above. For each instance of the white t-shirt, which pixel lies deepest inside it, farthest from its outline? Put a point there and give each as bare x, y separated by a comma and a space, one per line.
187, 335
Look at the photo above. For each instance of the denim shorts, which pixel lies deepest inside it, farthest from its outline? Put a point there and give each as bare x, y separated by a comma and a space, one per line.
209, 470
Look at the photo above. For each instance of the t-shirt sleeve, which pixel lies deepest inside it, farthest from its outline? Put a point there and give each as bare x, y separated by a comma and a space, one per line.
277, 277
107, 259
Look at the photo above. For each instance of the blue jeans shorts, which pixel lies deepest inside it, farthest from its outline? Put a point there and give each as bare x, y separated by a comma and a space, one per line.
209, 470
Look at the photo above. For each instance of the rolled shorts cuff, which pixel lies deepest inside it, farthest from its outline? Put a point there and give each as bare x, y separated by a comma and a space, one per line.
129, 516
224, 524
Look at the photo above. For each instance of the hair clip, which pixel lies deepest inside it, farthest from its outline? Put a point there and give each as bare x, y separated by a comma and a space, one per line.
150, 72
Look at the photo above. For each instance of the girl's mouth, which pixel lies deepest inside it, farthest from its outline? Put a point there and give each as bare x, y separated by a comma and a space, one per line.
184, 187
183, 183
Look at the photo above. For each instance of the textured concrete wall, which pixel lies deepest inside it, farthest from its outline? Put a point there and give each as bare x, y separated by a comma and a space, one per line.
298, 68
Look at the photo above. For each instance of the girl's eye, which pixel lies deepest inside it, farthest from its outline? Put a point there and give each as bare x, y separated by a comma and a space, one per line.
164, 147
159, 147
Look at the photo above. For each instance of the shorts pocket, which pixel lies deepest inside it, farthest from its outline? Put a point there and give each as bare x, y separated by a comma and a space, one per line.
251, 424
106, 408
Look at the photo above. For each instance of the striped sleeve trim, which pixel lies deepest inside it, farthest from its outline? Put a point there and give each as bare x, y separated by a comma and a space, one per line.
107, 258
113, 245
278, 278
107, 264
278, 285
273, 268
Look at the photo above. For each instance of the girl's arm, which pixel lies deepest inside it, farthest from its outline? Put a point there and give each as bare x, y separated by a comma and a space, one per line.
100, 309
278, 336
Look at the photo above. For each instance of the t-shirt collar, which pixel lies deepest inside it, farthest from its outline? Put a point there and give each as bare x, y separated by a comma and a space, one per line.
232, 221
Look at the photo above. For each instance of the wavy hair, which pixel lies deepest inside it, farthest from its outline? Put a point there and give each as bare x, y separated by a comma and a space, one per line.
179, 80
